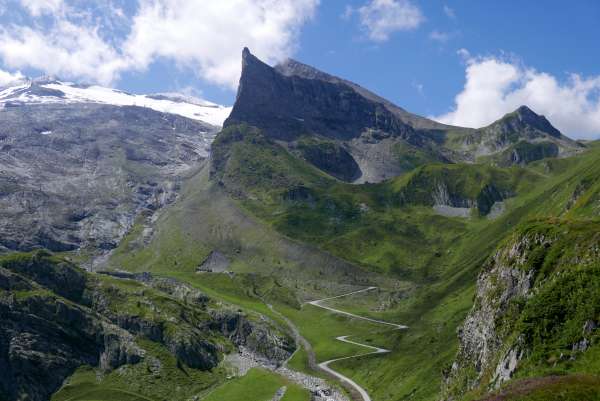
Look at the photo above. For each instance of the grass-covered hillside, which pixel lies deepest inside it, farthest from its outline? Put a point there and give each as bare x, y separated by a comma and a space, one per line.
290, 232
391, 227
386, 227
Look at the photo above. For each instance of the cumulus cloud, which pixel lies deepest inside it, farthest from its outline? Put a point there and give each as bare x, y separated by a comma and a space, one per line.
7, 78
381, 18
66, 50
206, 37
496, 86
209, 36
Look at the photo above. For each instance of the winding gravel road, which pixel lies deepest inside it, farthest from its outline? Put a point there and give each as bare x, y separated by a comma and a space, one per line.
374, 350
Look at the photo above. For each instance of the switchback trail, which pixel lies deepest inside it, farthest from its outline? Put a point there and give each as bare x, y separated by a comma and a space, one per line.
373, 350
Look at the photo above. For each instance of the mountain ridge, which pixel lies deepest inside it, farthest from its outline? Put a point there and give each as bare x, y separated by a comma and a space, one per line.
293, 101
50, 90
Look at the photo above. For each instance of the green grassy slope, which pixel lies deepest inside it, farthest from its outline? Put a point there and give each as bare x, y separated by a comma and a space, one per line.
258, 385
386, 227
262, 206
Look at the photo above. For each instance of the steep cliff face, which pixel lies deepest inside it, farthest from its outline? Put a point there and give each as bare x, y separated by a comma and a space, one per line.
288, 105
536, 307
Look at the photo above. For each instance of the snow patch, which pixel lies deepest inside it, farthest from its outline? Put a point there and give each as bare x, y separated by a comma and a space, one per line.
43, 92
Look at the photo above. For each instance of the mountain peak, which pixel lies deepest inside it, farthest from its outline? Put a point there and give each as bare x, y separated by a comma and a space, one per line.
526, 114
293, 97
524, 117
525, 110
250, 60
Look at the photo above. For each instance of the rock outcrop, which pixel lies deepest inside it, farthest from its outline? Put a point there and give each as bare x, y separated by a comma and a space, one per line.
44, 337
532, 306
262, 338
56, 317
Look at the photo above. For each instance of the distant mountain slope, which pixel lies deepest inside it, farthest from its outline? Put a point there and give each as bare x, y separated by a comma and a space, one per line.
519, 137
356, 136
48, 90
76, 175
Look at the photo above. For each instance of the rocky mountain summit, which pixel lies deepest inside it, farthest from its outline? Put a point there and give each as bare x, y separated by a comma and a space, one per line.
372, 138
518, 138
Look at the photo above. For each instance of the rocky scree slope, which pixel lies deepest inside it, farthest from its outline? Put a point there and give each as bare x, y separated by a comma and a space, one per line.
77, 175
322, 119
55, 317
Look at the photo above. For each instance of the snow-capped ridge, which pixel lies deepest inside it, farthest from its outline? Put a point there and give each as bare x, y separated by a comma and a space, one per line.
48, 89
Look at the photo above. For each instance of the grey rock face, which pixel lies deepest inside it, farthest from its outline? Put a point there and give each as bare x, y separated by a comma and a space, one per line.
44, 338
482, 348
375, 139
292, 100
77, 175
263, 339
288, 105
216, 262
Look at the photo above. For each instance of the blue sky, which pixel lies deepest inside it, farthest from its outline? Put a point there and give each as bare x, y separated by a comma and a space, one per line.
460, 61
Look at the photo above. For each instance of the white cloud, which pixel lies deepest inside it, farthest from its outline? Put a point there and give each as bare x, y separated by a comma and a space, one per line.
381, 18
209, 36
205, 36
7, 78
39, 7
439, 36
464, 54
495, 86
67, 50
449, 12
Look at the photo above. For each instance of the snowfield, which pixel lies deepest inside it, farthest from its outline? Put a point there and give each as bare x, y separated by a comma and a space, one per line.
52, 91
